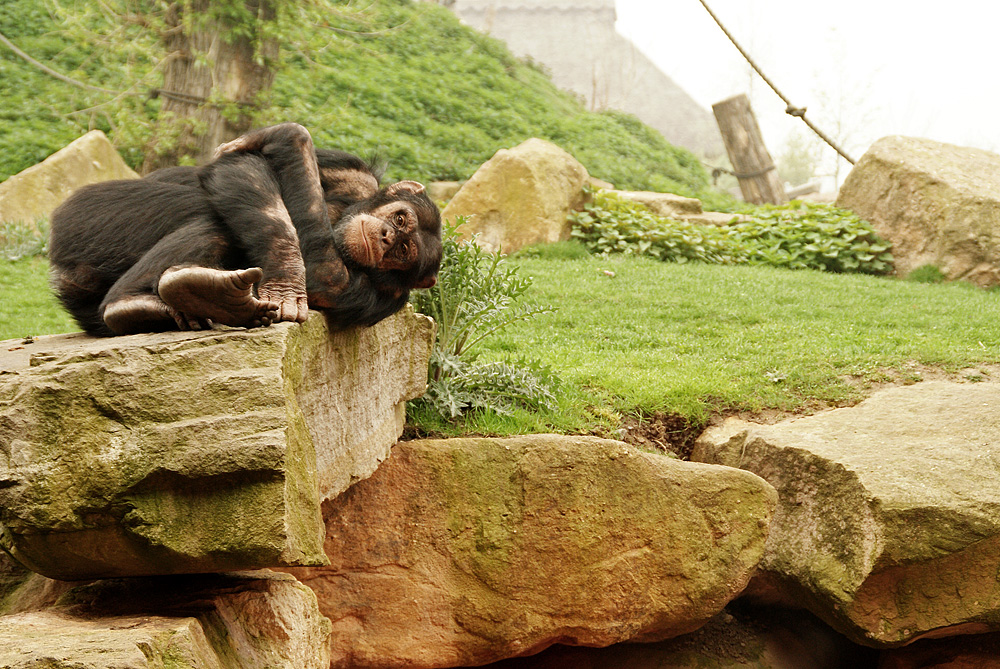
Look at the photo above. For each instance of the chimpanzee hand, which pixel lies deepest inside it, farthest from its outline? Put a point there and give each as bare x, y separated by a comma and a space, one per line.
285, 286
257, 139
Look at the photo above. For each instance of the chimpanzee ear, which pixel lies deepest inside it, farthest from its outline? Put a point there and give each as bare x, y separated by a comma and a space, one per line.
411, 187
427, 281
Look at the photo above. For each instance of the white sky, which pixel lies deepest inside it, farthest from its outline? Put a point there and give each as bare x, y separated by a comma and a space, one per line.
864, 68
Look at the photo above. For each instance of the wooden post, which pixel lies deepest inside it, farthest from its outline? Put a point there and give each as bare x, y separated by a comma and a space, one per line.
752, 163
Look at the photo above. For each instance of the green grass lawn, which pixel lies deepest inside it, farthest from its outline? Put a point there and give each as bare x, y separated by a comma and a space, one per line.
27, 305
695, 339
687, 339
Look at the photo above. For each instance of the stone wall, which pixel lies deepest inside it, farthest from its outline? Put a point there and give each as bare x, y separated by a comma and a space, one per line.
578, 43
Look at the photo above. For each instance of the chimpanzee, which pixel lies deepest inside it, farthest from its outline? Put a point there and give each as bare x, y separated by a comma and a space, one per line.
264, 231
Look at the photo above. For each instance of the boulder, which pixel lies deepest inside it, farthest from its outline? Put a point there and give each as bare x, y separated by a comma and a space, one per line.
38, 190
442, 191
888, 525
938, 204
194, 452
247, 620
740, 638
679, 208
466, 551
520, 197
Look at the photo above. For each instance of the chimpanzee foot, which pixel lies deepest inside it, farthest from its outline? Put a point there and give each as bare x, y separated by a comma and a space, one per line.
221, 296
147, 313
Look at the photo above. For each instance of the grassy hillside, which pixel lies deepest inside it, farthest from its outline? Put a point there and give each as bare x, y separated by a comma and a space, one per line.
404, 78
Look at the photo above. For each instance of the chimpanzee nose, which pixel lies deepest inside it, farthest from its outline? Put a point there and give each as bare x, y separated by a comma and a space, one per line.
387, 236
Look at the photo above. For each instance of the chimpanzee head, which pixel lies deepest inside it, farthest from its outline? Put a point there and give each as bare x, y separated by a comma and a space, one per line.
397, 233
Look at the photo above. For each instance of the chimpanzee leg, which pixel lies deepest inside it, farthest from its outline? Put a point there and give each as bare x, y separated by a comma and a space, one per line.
180, 283
246, 195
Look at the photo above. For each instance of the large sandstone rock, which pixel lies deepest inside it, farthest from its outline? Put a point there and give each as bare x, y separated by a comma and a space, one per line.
465, 551
38, 190
938, 204
195, 452
520, 196
248, 620
889, 519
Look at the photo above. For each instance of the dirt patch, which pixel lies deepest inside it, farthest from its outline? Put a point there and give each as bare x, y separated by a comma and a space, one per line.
661, 431
912, 372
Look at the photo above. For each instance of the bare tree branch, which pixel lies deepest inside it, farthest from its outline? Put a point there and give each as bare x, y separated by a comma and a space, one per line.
49, 71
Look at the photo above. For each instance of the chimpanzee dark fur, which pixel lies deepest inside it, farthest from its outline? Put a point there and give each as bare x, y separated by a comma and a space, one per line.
114, 240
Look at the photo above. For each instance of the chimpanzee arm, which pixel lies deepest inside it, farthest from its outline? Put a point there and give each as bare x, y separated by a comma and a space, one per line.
289, 151
288, 148
246, 196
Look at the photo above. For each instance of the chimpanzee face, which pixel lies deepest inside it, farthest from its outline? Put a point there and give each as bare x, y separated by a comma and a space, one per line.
397, 230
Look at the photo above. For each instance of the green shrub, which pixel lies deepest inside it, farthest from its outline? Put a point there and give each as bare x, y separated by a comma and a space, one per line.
926, 274
610, 224
803, 235
796, 236
476, 296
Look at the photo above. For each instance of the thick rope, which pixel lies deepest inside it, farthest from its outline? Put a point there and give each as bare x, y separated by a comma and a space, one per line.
790, 109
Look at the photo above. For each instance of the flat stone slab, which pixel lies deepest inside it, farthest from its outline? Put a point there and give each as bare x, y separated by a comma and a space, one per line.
888, 525
195, 452
465, 551
238, 620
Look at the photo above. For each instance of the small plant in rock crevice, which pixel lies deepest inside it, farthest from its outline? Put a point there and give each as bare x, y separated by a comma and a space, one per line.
477, 295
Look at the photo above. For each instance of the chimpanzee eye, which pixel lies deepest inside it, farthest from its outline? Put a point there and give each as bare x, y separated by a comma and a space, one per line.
400, 218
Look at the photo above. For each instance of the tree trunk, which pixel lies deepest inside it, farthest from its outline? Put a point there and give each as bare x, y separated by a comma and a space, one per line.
759, 181
213, 85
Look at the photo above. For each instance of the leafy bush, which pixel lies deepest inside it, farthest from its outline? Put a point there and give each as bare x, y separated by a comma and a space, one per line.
797, 236
477, 295
610, 223
802, 235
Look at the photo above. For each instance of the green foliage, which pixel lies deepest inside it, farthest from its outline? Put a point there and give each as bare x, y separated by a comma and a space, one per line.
798, 235
477, 295
610, 223
802, 235
926, 274
403, 78
21, 240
